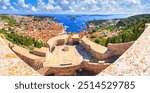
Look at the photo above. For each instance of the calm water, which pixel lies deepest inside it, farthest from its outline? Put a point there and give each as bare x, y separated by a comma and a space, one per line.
76, 23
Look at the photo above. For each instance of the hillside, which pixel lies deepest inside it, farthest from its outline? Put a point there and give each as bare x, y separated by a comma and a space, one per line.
28, 31
129, 29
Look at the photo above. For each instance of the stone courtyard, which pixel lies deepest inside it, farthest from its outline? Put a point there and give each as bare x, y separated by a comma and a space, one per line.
74, 56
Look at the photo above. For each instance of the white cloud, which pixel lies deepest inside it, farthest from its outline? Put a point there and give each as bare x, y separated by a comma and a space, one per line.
33, 9
13, 9
4, 7
89, 6
136, 1
7, 2
41, 3
65, 2
57, 8
51, 2
51, 7
90, 2
22, 3
42, 6
4, 3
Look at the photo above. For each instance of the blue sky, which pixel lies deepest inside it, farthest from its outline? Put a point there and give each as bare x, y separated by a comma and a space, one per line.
75, 6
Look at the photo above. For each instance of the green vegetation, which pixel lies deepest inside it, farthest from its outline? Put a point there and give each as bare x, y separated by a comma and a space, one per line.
10, 21
24, 41
110, 28
101, 41
131, 27
106, 28
96, 22
3, 31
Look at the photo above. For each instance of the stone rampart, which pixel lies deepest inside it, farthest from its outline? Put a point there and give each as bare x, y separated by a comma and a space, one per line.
33, 62
97, 51
119, 48
71, 70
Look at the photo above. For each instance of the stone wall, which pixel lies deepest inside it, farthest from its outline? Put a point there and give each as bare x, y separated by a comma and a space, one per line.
34, 63
112, 49
41, 52
61, 42
94, 53
119, 48
71, 70
38, 53
56, 41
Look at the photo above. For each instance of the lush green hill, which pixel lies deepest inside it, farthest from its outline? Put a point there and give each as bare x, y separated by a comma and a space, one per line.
132, 27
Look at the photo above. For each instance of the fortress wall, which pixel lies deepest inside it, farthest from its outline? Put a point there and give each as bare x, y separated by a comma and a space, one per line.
113, 49
95, 67
38, 53
94, 53
101, 56
71, 70
61, 42
42, 52
52, 46
34, 63
56, 41
120, 48
75, 39
87, 47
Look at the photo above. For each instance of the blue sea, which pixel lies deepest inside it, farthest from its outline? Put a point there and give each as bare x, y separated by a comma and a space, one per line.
77, 23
